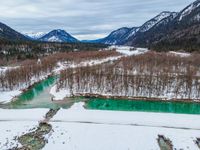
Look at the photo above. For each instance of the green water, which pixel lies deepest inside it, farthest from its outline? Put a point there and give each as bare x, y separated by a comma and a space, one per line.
143, 106
38, 97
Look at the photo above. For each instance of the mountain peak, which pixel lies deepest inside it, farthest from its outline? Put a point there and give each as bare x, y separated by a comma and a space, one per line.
58, 30
58, 35
149, 24
8, 33
116, 36
189, 9
34, 35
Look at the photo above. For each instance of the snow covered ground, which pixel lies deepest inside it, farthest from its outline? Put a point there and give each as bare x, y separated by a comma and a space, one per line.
14, 123
86, 136
65, 65
62, 93
124, 50
7, 96
9, 130
22, 114
59, 95
80, 129
181, 54
128, 50
4, 68
78, 114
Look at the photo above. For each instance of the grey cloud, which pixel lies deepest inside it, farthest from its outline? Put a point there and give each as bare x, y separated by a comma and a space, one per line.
83, 17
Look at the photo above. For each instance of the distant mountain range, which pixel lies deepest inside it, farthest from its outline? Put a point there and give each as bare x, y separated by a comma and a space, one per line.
53, 36
34, 35
166, 31
58, 36
124, 35
8, 33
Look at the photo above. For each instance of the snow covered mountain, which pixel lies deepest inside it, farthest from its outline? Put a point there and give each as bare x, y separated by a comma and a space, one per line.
58, 36
149, 24
132, 32
34, 35
10, 34
175, 31
183, 32
116, 37
125, 35
192, 8
151, 30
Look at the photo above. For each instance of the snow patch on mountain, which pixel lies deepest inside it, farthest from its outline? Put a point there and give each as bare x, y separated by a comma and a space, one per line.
132, 32
116, 36
149, 24
189, 9
34, 35
58, 36
54, 39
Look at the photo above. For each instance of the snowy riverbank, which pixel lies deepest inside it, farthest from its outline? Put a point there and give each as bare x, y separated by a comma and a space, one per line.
80, 129
124, 50
14, 123
8, 95
75, 129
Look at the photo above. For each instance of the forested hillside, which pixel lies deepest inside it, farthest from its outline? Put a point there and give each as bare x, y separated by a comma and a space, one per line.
151, 75
21, 50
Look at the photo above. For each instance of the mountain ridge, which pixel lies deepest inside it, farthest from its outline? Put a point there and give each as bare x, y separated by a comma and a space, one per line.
58, 35
7, 33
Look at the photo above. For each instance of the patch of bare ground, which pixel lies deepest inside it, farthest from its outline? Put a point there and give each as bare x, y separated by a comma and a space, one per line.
164, 143
35, 139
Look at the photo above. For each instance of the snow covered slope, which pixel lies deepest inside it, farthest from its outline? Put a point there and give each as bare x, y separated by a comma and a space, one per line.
10, 34
122, 35
88, 136
188, 10
115, 37
58, 36
34, 35
80, 129
149, 24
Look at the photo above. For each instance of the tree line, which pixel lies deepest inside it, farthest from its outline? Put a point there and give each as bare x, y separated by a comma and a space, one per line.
149, 75
34, 69
21, 50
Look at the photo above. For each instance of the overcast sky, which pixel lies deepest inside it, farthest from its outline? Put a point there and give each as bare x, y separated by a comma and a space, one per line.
84, 19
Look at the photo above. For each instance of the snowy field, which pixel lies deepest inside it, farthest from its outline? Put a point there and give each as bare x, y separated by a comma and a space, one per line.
9, 130
77, 114
80, 129
4, 68
181, 54
22, 114
14, 123
86, 136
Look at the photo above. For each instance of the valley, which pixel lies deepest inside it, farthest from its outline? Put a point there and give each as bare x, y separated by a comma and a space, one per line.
106, 114
65, 83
